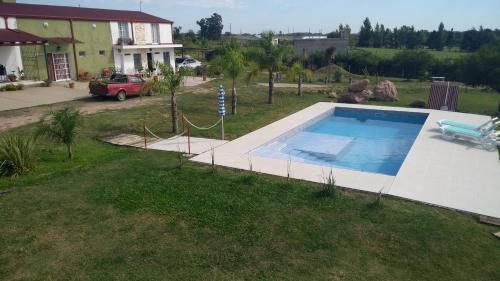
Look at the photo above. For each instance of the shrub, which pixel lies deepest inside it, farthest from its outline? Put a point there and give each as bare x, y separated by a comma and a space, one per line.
95, 85
10, 87
414, 64
16, 155
61, 127
328, 188
337, 75
19, 87
418, 104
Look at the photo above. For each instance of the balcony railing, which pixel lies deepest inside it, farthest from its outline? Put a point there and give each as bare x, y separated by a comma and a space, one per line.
125, 41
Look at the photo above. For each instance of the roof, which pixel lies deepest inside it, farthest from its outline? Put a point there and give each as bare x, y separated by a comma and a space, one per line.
18, 37
75, 13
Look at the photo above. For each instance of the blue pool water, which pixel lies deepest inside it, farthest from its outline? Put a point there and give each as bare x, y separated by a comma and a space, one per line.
375, 141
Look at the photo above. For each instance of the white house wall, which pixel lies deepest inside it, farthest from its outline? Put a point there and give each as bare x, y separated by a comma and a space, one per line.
148, 33
12, 22
165, 33
115, 33
10, 57
117, 58
126, 65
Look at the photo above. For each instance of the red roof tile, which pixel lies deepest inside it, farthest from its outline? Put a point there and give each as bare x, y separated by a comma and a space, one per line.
18, 37
75, 13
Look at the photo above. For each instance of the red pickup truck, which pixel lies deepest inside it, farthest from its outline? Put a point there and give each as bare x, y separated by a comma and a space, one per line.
119, 86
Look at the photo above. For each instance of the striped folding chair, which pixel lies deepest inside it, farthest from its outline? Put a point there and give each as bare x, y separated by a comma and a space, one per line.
443, 97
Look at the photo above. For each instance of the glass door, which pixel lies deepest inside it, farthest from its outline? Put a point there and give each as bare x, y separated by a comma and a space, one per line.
61, 67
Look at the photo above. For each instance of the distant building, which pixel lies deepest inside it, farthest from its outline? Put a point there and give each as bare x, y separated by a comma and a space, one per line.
310, 46
314, 37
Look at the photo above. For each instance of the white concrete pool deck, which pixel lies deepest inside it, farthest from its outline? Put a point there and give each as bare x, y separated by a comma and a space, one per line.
452, 174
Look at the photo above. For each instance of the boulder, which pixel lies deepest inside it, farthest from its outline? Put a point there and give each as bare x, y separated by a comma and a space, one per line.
358, 86
385, 91
359, 97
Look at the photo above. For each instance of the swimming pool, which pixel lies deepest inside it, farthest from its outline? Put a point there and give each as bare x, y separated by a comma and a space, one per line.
367, 140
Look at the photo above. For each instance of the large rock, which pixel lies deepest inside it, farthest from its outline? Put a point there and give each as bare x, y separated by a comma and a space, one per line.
359, 97
385, 91
358, 86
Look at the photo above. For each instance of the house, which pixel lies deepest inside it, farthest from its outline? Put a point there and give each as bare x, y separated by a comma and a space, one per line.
62, 43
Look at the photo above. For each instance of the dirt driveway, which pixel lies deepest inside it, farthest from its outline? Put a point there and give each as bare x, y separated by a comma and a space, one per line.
16, 118
61, 96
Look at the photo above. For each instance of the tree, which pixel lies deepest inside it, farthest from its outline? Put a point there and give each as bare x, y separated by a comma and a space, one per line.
61, 127
297, 73
365, 34
414, 63
270, 57
483, 67
233, 64
378, 36
211, 28
437, 39
177, 32
169, 83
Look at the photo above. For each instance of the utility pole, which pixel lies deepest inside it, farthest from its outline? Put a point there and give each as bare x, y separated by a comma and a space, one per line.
230, 28
140, 5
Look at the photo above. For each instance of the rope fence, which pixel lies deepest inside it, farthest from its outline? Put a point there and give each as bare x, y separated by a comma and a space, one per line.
190, 124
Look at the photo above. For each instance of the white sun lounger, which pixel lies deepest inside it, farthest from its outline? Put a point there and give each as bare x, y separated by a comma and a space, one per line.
487, 136
447, 122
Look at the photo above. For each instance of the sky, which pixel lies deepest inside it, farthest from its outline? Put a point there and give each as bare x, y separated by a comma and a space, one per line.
255, 16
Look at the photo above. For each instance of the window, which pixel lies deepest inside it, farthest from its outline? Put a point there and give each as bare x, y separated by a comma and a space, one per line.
166, 57
155, 32
123, 29
137, 62
135, 79
102, 53
82, 54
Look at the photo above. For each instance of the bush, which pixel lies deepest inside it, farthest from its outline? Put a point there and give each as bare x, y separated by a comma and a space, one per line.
10, 87
61, 127
19, 87
328, 188
483, 67
337, 75
95, 85
414, 64
16, 155
418, 104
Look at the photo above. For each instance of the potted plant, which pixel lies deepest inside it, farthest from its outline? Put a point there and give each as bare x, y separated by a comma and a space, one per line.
12, 77
106, 72
71, 85
21, 73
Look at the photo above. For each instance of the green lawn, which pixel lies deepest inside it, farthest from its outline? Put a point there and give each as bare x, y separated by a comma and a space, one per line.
117, 213
389, 53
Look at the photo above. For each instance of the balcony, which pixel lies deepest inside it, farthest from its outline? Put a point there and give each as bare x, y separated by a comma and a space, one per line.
125, 41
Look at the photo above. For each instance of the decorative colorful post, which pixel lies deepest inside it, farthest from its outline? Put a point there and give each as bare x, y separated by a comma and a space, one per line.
222, 109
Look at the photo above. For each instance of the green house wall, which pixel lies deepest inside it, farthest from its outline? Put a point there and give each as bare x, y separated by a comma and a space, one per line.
94, 39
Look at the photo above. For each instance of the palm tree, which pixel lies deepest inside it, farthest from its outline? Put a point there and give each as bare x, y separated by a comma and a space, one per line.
233, 64
270, 56
61, 127
169, 83
297, 71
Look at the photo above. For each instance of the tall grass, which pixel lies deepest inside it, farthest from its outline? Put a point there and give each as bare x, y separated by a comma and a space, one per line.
16, 155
